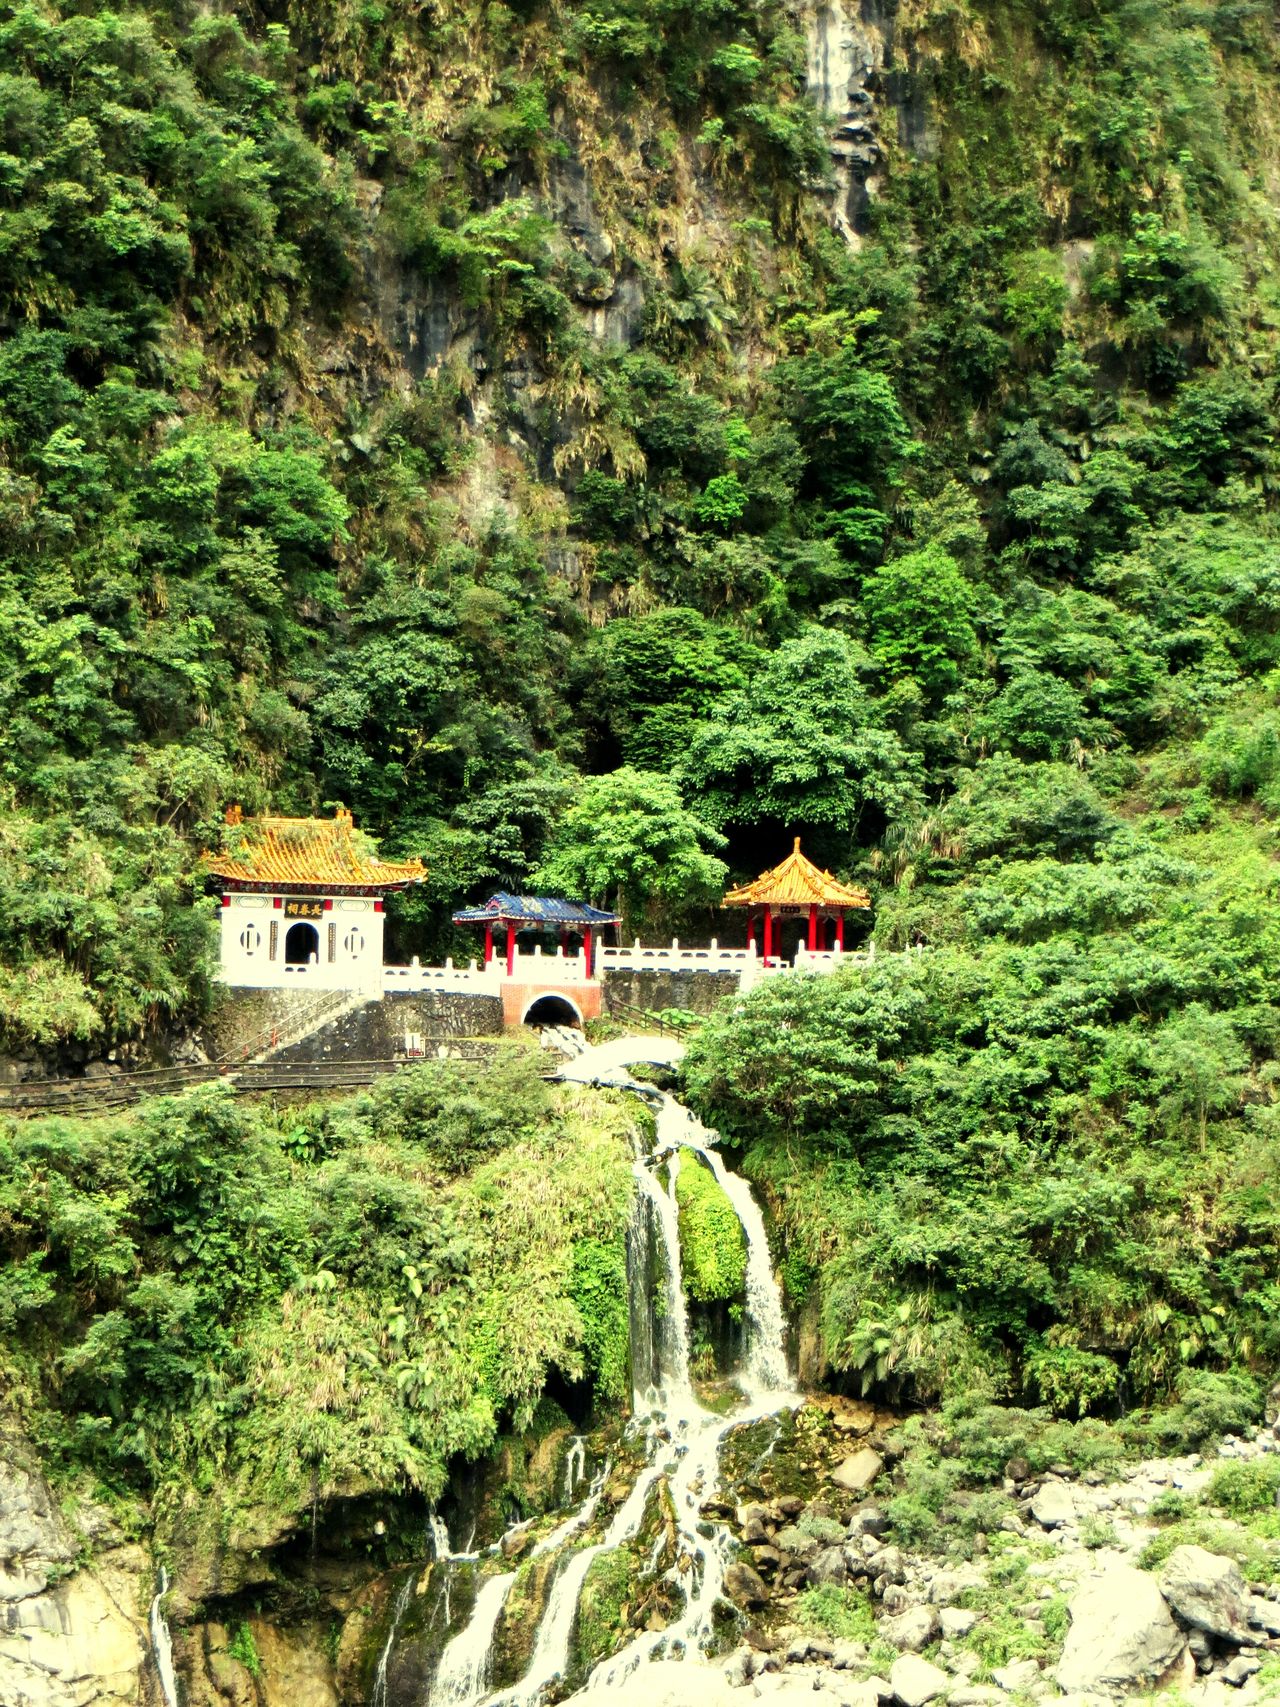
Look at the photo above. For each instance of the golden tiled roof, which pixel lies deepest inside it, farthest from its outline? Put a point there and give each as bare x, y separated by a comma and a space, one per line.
314, 852
797, 882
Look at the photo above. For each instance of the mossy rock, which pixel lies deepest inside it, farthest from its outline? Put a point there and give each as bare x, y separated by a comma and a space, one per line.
601, 1624
713, 1248
514, 1633
786, 1454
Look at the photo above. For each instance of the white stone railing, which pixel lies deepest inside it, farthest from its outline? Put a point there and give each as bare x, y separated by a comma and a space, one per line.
639, 958
533, 966
415, 976
557, 967
830, 960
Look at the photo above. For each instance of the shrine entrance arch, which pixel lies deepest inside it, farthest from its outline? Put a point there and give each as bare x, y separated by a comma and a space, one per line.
301, 941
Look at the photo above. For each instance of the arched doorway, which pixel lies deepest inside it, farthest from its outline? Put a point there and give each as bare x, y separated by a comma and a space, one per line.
552, 1010
300, 943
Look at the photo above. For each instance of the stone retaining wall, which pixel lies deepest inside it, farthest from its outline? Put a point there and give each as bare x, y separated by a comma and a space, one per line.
376, 1031
696, 992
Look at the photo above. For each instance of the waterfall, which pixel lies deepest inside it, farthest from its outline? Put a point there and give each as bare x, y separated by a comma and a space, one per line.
575, 1466
681, 1439
576, 1519
438, 1530
670, 1333
555, 1631
161, 1646
379, 1696
463, 1674
641, 1260
766, 1361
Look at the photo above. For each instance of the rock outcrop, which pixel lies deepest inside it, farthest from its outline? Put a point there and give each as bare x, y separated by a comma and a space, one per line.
69, 1637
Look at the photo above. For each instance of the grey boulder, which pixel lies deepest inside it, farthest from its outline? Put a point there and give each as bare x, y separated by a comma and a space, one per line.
1207, 1591
859, 1470
914, 1681
1054, 1505
912, 1630
1122, 1634
827, 1566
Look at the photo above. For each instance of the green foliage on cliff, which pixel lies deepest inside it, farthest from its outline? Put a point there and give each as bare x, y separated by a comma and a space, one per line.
379, 423
183, 1304
713, 1249
475, 417
1032, 1158
599, 1291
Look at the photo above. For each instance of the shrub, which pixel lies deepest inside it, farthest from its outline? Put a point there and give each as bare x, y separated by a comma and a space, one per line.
1244, 1487
846, 1614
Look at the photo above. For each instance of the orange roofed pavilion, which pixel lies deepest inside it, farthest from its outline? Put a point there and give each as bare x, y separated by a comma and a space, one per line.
302, 903
794, 889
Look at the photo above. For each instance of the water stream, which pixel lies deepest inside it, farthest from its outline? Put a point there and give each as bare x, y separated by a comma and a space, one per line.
681, 1440
463, 1673
161, 1647
379, 1696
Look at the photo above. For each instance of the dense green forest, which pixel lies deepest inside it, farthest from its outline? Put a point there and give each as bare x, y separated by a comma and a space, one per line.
470, 413
212, 1296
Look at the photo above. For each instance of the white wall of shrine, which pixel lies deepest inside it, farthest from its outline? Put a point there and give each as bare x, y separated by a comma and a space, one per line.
284, 942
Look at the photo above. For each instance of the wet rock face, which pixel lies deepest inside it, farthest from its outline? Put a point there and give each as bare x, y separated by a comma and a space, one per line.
66, 1640
845, 54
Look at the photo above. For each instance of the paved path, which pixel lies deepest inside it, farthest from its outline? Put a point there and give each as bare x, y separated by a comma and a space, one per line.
607, 1063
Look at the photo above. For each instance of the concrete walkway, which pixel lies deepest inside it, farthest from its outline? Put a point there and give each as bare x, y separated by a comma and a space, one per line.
607, 1063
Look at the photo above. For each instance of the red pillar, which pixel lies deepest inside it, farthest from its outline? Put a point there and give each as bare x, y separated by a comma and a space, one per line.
768, 934
840, 932
511, 950
488, 944
813, 929
586, 950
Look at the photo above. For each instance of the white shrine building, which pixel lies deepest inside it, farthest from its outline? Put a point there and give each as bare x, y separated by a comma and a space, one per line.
302, 903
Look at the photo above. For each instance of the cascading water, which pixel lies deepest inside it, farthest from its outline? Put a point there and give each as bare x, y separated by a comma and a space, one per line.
379, 1696
463, 1673
683, 1440
668, 1334
161, 1646
575, 1467
765, 1368
555, 1630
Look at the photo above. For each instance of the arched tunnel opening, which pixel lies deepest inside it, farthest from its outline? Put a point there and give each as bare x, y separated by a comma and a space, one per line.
552, 1010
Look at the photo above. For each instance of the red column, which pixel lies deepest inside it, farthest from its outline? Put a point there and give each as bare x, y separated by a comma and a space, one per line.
511, 950
840, 932
488, 944
586, 950
813, 929
768, 934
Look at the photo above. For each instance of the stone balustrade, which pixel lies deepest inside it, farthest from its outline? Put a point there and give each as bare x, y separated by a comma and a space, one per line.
556, 968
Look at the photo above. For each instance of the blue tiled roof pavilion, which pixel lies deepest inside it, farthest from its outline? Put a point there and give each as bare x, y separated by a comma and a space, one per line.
528, 912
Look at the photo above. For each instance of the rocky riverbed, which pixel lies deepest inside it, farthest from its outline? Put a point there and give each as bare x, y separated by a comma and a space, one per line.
1092, 1587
